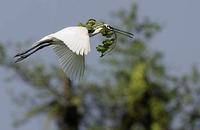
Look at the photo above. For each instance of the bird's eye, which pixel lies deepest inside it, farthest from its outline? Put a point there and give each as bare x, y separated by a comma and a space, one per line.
108, 27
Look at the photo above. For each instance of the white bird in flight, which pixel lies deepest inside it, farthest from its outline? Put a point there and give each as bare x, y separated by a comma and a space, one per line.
71, 45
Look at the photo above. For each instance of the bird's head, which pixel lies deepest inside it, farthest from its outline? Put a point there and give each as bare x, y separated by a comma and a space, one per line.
110, 34
95, 27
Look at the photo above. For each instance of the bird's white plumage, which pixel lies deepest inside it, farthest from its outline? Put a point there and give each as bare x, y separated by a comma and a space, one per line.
76, 38
72, 64
71, 44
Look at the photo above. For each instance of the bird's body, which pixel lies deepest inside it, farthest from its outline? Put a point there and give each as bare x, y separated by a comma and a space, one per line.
75, 38
70, 44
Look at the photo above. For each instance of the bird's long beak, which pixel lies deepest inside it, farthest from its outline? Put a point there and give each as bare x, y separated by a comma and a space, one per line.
125, 33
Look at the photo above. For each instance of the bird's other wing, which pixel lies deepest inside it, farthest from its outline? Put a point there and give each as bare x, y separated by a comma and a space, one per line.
72, 64
76, 38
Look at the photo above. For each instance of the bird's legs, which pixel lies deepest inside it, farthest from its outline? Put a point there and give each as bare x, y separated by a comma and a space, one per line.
23, 55
37, 45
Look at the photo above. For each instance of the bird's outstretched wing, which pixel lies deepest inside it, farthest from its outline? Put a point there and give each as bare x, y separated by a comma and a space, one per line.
72, 64
70, 45
71, 50
76, 38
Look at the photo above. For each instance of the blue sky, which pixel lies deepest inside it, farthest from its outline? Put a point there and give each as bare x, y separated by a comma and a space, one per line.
26, 20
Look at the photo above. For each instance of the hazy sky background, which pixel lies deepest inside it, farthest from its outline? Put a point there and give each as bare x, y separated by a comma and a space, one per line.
26, 20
